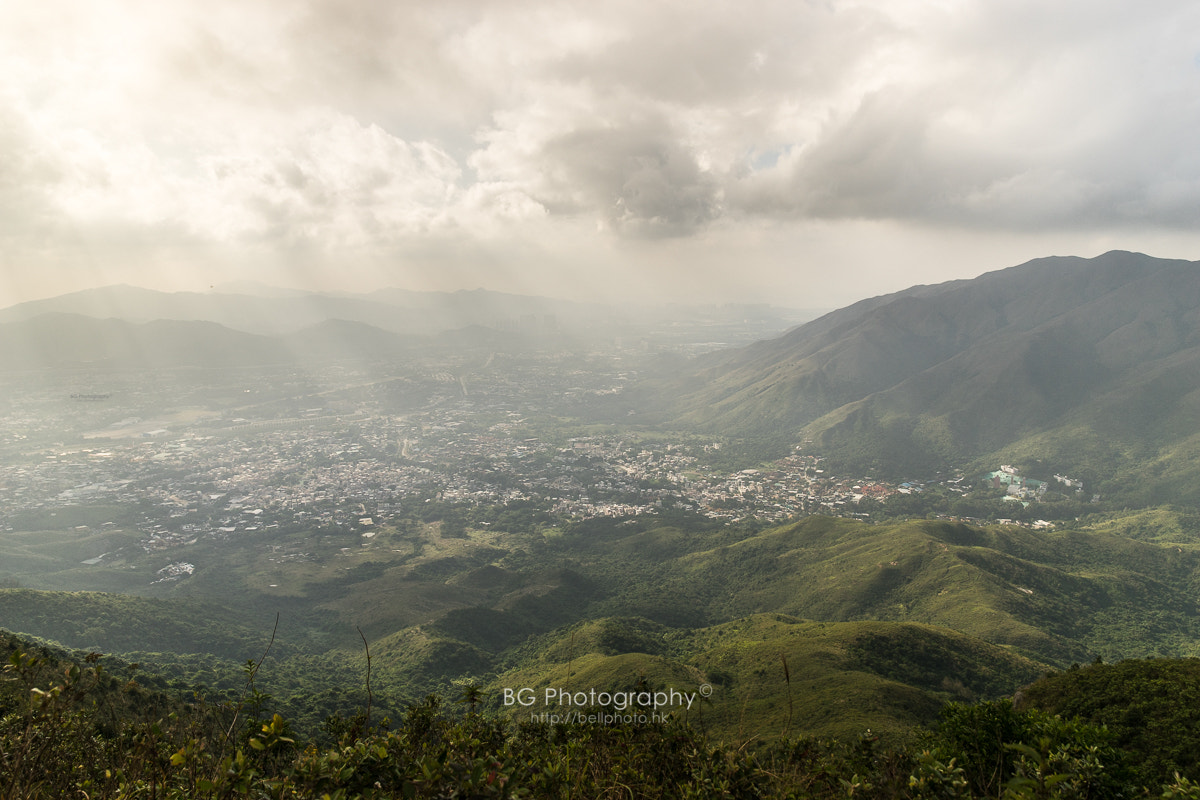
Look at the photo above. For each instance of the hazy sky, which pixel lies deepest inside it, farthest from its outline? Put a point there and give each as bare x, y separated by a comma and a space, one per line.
798, 153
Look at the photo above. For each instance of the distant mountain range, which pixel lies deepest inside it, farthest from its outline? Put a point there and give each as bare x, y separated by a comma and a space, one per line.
1091, 365
283, 312
127, 326
72, 340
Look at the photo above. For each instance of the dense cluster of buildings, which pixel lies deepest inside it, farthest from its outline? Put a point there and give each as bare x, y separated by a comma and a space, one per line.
349, 458
210, 481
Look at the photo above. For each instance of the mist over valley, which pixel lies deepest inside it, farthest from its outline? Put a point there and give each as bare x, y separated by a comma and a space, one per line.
994, 468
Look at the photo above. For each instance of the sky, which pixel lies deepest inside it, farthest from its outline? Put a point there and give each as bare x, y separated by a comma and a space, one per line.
803, 154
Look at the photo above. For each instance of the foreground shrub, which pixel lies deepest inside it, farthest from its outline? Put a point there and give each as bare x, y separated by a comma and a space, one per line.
72, 730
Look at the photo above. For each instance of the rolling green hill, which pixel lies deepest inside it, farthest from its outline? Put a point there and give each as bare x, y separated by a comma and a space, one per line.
771, 675
913, 611
1055, 596
125, 623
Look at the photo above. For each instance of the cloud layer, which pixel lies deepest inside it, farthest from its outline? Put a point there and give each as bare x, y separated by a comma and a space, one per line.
533, 144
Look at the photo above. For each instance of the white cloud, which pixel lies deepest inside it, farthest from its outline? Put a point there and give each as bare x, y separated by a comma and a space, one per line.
332, 183
319, 132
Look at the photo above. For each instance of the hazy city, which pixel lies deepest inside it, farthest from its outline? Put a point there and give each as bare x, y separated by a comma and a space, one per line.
179, 456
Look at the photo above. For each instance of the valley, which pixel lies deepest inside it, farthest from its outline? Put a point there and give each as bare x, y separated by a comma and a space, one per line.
212, 458
599, 401
518, 518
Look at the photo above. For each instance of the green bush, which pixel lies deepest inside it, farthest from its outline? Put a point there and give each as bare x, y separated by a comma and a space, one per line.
73, 730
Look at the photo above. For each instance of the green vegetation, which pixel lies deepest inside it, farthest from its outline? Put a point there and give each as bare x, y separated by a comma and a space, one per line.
1151, 708
880, 624
259, 650
71, 728
125, 623
999, 751
772, 676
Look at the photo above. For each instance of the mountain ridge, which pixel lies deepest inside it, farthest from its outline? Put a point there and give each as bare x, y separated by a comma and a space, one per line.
966, 371
65, 340
284, 312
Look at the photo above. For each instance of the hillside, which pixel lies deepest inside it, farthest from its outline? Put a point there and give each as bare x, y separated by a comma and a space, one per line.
902, 617
1148, 706
1055, 596
1087, 364
125, 623
770, 675
63, 340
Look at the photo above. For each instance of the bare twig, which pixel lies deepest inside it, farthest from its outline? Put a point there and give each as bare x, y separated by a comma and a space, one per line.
367, 648
787, 677
250, 684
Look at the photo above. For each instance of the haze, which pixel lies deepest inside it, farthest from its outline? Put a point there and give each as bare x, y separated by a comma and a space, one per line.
803, 154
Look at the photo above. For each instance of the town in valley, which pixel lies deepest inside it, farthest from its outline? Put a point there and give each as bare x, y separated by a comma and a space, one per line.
174, 458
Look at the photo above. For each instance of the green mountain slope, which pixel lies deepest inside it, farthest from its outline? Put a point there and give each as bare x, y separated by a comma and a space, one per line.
1051, 597
1088, 363
1056, 596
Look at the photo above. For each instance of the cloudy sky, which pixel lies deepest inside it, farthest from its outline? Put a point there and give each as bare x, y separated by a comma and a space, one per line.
799, 153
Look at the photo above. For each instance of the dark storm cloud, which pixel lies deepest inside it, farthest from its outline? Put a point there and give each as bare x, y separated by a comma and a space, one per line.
637, 177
